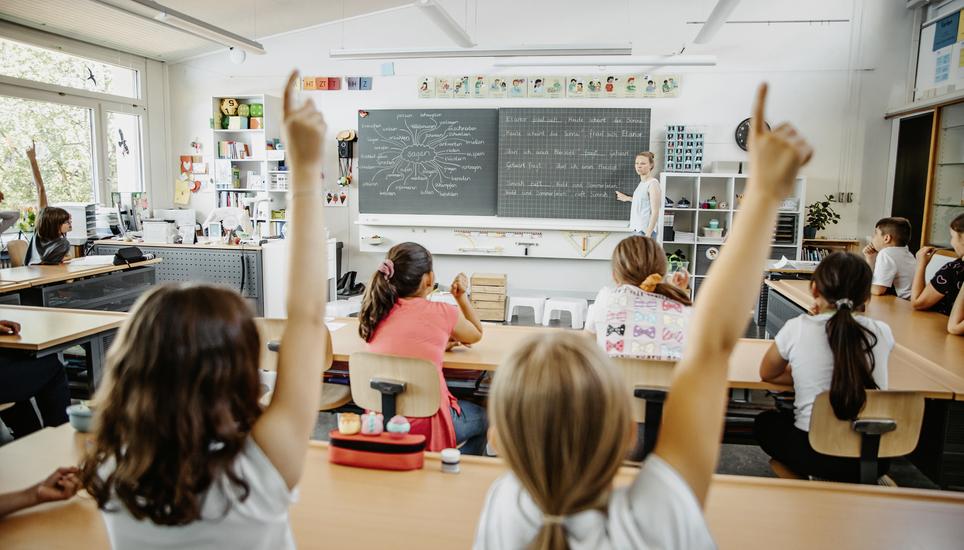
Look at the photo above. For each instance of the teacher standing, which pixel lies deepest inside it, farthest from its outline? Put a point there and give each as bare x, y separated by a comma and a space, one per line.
646, 198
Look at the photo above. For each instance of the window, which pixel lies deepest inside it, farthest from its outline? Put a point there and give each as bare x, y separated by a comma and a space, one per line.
28, 62
83, 112
64, 137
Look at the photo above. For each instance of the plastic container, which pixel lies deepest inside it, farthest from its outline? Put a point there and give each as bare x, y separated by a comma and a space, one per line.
450, 460
713, 233
81, 417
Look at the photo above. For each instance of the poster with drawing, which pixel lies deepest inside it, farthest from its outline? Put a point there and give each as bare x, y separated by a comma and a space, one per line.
480, 86
518, 87
613, 86
555, 87
537, 86
426, 86
443, 86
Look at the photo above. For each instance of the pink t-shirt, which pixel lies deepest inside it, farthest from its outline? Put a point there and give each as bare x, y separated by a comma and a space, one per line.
416, 327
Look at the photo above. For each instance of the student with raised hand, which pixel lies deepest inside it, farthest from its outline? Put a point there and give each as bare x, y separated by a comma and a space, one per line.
183, 455
834, 350
49, 244
397, 319
561, 418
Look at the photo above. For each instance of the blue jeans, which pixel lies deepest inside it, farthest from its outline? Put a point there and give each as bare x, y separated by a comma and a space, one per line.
470, 427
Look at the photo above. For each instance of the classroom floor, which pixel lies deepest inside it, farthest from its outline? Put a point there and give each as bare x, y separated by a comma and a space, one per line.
735, 459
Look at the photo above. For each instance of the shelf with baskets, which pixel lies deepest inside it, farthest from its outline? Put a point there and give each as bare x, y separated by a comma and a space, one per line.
696, 232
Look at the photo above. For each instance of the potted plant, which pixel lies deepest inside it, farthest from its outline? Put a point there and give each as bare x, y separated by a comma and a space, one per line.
28, 219
820, 215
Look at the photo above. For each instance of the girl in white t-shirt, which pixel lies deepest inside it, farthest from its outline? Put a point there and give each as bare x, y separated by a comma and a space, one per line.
183, 455
559, 410
647, 198
833, 351
643, 316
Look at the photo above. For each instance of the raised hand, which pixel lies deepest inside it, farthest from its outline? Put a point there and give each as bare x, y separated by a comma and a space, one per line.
459, 285
925, 253
304, 129
775, 157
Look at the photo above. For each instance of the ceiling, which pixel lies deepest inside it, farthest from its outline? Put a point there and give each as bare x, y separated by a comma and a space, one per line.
98, 22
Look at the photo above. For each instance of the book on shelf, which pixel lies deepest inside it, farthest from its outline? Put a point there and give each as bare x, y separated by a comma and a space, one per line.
233, 150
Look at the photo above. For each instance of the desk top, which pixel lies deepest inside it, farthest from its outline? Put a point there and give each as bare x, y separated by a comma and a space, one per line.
922, 333
205, 245
338, 505
44, 327
37, 275
498, 341
7, 286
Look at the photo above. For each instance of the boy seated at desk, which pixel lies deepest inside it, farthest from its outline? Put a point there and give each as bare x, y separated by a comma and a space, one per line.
889, 258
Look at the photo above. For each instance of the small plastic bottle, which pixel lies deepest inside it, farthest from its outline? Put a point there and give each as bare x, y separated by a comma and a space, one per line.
450, 461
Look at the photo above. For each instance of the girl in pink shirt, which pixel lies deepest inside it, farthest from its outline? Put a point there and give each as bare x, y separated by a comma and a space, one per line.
397, 319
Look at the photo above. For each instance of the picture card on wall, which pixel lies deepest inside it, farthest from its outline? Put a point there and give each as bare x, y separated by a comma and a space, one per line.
426, 87
555, 87
334, 83
575, 86
443, 86
594, 86
612, 87
321, 82
460, 87
351, 82
364, 83
498, 87
480, 86
630, 86
308, 83
518, 88
537, 86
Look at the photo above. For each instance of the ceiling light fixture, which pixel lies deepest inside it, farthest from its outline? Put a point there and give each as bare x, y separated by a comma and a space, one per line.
634, 61
449, 26
508, 51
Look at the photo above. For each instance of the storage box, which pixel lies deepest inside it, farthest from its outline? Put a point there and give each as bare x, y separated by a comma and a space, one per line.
490, 314
257, 109
256, 123
237, 123
489, 279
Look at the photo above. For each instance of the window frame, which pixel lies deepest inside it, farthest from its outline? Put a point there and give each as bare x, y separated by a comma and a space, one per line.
99, 103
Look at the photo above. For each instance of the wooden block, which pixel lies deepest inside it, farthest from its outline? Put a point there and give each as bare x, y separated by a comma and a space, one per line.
490, 314
481, 289
321, 82
483, 297
489, 279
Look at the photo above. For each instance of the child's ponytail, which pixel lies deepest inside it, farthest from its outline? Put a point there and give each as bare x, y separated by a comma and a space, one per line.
844, 279
398, 276
640, 261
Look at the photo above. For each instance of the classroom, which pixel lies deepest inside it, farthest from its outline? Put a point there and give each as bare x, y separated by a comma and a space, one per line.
481, 274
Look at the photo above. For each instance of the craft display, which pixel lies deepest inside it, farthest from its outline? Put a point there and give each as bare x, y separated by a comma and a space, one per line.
546, 86
684, 149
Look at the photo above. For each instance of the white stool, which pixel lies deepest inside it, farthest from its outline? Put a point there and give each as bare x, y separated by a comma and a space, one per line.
576, 307
537, 303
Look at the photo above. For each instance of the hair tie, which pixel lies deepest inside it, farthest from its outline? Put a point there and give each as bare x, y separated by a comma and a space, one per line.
845, 303
650, 283
387, 268
550, 519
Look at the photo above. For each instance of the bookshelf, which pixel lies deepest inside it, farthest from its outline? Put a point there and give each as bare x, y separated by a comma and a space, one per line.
250, 170
815, 250
688, 222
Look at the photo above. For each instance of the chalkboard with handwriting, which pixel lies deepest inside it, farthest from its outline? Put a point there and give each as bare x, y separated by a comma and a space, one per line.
569, 163
416, 161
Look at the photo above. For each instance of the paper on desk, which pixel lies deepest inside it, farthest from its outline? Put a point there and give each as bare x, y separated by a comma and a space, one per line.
332, 327
781, 263
93, 260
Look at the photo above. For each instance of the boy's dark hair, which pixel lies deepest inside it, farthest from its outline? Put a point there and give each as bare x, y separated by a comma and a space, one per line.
898, 228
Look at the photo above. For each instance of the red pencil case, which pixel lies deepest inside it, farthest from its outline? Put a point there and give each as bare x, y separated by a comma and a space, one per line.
379, 452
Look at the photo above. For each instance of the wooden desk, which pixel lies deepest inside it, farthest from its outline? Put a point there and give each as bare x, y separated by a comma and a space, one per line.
499, 341
45, 331
922, 333
428, 509
39, 275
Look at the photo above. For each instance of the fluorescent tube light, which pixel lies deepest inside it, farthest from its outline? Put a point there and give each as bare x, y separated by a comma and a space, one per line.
449, 26
721, 11
509, 51
634, 61
209, 32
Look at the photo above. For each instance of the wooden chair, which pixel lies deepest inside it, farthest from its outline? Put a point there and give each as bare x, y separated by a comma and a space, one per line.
888, 426
394, 385
18, 252
647, 381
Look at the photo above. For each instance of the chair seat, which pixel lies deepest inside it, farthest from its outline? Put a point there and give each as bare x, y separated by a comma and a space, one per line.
5, 406
537, 303
334, 396
577, 308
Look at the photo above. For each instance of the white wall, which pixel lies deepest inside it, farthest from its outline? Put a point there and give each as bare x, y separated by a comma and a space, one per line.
833, 81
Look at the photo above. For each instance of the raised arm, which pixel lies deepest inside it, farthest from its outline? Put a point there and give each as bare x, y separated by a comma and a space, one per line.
38, 180
693, 417
283, 430
468, 329
923, 295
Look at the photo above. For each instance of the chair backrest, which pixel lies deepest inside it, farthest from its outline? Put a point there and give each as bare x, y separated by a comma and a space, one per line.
644, 373
18, 252
832, 436
421, 397
936, 262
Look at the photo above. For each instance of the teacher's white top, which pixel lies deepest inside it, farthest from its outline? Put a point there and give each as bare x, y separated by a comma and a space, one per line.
642, 208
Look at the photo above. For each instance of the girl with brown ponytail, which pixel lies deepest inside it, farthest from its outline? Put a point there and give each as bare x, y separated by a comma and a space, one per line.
561, 414
834, 350
645, 315
396, 319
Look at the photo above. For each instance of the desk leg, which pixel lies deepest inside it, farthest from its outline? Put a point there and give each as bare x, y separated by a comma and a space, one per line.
655, 397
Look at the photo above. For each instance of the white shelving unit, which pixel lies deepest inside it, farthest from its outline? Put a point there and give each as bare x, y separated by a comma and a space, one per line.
698, 188
255, 172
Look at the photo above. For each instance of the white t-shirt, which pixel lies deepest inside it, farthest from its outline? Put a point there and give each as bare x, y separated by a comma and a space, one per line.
642, 208
895, 267
259, 522
803, 342
630, 322
658, 510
